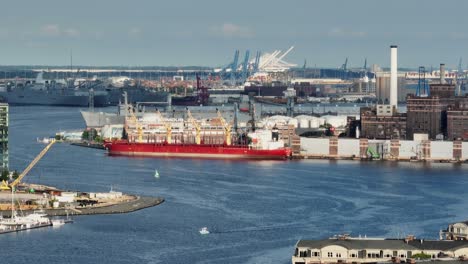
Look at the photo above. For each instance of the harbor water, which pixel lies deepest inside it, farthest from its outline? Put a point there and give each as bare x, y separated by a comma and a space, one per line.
255, 211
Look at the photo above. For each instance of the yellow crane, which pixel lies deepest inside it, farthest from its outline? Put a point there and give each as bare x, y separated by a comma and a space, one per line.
6, 186
137, 124
196, 126
227, 129
167, 125
168, 132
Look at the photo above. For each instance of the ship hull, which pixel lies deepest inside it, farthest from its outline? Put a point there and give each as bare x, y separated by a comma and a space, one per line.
136, 95
194, 151
100, 119
185, 101
43, 98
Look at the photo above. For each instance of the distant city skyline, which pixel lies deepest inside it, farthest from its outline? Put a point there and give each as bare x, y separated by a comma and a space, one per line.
206, 33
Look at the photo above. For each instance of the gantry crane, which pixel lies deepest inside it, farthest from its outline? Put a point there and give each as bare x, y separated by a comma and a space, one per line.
6, 186
227, 129
196, 126
137, 123
167, 124
168, 132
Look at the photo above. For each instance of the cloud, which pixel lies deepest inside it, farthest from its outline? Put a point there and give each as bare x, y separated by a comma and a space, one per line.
71, 32
51, 30
458, 35
232, 31
342, 33
54, 30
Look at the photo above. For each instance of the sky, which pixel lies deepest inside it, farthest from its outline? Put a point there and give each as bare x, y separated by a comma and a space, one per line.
207, 32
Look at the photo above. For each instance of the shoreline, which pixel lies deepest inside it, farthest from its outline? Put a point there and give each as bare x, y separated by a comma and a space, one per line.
139, 203
122, 203
328, 157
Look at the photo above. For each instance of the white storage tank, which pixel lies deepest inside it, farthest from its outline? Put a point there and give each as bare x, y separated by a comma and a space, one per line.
293, 122
303, 123
336, 121
316, 122
277, 120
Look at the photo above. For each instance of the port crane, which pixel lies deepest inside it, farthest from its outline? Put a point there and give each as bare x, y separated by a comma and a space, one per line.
344, 69
460, 77
245, 66
227, 129
6, 186
168, 126
196, 126
137, 124
257, 61
233, 68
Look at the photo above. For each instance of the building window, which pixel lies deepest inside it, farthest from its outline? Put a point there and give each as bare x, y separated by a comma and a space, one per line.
330, 254
353, 255
338, 255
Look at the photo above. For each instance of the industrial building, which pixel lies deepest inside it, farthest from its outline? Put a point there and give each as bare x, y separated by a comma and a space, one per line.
436, 111
442, 90
428, 111
382, 87
425, 115
419, 149
319, 87
383, 121
377, 123
457, 119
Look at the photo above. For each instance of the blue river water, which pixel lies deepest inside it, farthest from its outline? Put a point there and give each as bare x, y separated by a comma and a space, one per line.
256, 211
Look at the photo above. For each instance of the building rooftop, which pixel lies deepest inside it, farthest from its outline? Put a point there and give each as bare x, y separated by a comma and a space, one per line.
365, 243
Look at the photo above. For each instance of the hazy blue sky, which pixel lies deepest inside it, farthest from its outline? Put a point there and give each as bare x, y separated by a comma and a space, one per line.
190, 32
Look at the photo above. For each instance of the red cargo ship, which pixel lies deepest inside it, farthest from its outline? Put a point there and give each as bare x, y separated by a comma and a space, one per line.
155, 135
124, 147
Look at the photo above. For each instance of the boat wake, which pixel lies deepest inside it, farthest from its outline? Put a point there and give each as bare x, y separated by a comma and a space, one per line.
257, 229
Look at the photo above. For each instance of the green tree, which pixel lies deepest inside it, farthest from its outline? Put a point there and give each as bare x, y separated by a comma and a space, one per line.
89, 134
5, 176
85, 135
422, 255
15, 175
98, 139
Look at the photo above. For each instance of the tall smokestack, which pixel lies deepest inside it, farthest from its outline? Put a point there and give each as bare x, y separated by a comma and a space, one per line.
442, 73
393, 76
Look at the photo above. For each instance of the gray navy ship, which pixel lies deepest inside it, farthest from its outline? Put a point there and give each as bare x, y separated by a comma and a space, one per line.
77, 92
50, 92
136, 94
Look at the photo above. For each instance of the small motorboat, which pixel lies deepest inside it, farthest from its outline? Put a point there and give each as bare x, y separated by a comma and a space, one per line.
44, 140
57, 222
156, 174
204, 231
